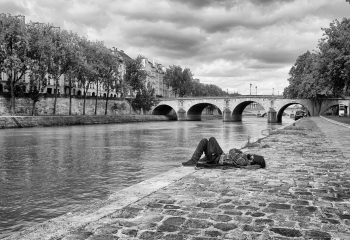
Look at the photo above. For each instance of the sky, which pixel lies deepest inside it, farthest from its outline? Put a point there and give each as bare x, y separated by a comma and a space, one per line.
245, 46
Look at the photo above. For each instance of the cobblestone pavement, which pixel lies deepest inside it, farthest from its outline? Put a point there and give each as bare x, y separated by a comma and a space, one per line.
340, 135
302, 194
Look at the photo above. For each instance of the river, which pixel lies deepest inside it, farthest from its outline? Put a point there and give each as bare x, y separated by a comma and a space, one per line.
46, 172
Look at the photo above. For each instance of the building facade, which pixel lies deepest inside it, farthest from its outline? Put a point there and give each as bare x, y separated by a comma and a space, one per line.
155, 77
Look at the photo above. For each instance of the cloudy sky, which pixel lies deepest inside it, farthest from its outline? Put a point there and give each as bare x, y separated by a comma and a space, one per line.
230, 43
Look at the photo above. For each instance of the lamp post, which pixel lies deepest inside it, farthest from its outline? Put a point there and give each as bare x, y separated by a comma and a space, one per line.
273, 91
250, 89
256, 90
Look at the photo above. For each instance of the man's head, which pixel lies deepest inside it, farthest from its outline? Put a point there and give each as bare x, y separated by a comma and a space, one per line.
257, 160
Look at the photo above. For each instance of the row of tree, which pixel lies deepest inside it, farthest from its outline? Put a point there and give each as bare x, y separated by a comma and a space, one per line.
182, 83
44, 52
326, 71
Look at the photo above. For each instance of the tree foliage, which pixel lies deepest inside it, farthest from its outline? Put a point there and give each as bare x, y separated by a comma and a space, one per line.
44, 54
109, 72
145, 99
200, 89
325, 72
135, 77
39, 51
179, 80
182, 83
13, 51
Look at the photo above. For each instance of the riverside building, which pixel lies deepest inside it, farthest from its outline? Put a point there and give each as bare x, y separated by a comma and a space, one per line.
155, 77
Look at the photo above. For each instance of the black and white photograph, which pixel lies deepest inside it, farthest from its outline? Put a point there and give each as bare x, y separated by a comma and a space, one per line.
174, 119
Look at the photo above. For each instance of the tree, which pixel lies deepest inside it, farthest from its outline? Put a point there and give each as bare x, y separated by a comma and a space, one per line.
39, 53
179, 80
200, 89
60, 59
135, 77
145, 99
303, 79
325, 73
13, 52
109, 73
72, 72
100, 50
87, 70
335, 56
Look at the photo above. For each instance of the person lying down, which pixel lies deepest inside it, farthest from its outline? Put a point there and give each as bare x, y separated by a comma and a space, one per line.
214, 157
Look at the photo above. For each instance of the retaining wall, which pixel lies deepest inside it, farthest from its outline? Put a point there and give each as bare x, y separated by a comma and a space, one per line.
23, 106
47, 121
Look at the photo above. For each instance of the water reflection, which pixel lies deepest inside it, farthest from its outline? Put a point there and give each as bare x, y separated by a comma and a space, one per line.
46, 172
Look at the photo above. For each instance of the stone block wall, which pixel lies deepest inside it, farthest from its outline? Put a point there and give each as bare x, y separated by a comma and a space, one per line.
45, 106
48, 121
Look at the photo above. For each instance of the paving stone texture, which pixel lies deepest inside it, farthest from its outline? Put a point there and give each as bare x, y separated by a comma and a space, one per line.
302, 194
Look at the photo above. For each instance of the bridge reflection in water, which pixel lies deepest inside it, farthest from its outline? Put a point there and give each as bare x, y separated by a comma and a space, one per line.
231, 108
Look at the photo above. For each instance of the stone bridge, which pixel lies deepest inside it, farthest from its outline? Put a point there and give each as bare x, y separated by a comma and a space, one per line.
190, 108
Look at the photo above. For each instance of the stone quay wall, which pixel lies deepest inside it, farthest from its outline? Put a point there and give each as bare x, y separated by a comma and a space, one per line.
44, 110
23, 106
48, 121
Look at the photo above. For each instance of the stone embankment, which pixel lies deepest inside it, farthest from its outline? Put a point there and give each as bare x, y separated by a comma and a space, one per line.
302, 194
47, 121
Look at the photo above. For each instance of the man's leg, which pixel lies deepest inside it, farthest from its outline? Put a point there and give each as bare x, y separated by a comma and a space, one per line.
214, 150
200, 149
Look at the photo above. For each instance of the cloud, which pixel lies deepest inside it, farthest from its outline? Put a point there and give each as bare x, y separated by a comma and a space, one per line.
226, 3
229, 43
14, 8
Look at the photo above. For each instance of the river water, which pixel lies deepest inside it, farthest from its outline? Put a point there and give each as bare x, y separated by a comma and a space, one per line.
46, 172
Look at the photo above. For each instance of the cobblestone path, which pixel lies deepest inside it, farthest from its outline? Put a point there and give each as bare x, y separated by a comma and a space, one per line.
302, 194
340, 135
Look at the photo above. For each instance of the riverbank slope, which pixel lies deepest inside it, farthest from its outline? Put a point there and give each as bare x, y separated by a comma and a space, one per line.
302, 194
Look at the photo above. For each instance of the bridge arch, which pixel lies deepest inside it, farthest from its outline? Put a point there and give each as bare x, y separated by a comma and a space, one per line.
194, 113
239, 108
284, 107
329, 105
165, 110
